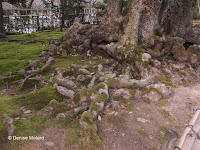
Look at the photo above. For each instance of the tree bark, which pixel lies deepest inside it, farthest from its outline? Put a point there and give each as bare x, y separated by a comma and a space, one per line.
30, 3
176, 17
1, 19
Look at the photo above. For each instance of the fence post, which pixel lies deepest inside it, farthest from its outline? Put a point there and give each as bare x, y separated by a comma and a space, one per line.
170, 140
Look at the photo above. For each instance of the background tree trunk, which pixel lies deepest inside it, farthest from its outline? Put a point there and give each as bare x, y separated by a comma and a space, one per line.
1, 19
176, 17
30, 3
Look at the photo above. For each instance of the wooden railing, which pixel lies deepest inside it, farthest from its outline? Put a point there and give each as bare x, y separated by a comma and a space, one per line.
31, 20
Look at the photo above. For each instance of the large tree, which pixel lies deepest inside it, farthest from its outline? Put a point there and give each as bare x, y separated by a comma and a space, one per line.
1, 18
141, 20
138, 26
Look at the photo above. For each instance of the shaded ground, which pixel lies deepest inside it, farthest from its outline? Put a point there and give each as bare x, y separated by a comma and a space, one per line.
142, 127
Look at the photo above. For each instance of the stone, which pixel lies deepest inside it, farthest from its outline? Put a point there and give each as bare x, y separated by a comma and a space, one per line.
107, 76
143, 120
60, 116
100, 67
81, 78
193, 59
155, 63
92, 82
146, 57
84, 71
67, 83
65, 92
27, 112
45, 112
22, 72
122, 93
179, 53
115, 105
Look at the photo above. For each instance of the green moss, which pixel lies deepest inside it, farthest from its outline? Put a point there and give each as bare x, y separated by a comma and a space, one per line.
86, 93
151, 89
86, 81
39, 99
158, 33
143, 133
129, 47
73, 137
101, 98
113, 83
146, 100
87, 117
94, 142
163, 102
58, 107
98, 52
138, 51
166, 81
166, 115
7, 106
182, 74
99, 86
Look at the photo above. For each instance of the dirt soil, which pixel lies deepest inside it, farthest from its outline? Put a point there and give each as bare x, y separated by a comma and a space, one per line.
142, 127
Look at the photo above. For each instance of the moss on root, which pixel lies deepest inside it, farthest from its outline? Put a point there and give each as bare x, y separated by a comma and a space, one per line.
92, 138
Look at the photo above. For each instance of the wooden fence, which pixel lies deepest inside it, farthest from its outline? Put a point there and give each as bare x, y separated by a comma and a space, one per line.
31, 20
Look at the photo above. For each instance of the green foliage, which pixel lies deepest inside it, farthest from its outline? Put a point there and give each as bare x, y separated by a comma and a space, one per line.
39, 99
69, 10
196, 14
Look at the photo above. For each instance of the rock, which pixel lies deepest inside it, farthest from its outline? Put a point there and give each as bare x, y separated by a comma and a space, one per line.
99, 117
66, 83
60, 116
65, 92
122, 93
178, 66
84, 71
53, 49
33, 63
100, 68
146, 57
166, 90
107, 76
8, 124
143, 120
45, 112
193, 59
179, 53
81, 78
155, 63
43, 54
115, 105
92, 82
22, 72
27, 112
124, 76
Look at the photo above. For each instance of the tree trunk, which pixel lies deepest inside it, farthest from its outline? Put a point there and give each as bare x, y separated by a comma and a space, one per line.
1, 19
176, 17
136, 27
30, 3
